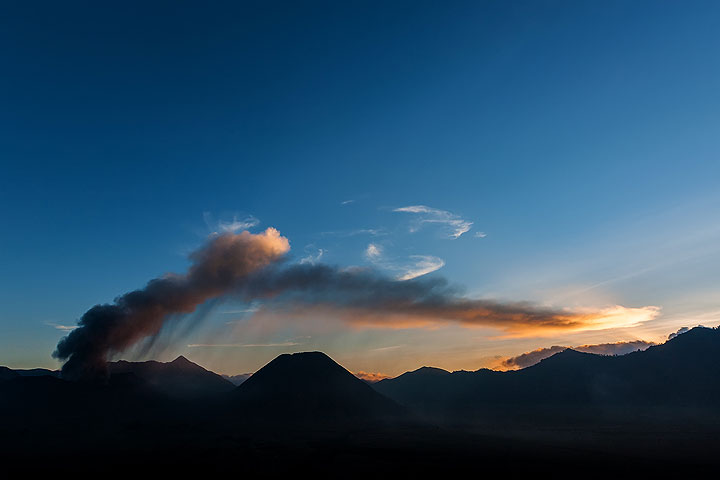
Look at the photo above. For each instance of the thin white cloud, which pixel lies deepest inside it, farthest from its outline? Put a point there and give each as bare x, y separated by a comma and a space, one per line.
373, 232
65, 328
312, 259
238, 225
456, 225
232, 226
382, 349
347, 202
417, 209
480, 235
418, 265
242, 345
424, 264
240, 310
373, 252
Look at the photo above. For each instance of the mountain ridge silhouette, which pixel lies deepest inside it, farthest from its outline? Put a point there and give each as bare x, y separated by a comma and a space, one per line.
683, 372
178, 378
305, 410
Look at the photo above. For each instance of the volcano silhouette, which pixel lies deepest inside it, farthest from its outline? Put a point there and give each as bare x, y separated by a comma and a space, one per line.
310, 386
179, 378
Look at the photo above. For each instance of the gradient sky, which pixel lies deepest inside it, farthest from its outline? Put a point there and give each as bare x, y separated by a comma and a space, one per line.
576, 142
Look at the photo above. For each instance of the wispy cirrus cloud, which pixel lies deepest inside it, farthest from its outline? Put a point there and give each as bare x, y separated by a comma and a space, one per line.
373, 232
243, 345
385, 349
311, 259
235, 225
65, 328
423, 264
456, 226
239, 310
417, 266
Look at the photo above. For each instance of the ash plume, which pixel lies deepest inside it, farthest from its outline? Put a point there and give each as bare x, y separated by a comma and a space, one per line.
221, 265
247, 266
366, 297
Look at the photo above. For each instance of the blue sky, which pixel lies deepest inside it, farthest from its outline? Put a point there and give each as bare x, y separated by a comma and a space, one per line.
580, 137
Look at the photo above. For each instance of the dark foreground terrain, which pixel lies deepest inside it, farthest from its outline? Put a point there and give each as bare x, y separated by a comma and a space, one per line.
647, 413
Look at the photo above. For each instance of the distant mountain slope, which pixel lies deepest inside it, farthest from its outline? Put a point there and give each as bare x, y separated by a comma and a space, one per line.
7, 374
179, 378
411, 388
310, 386
237, 379
38, 372
684, 372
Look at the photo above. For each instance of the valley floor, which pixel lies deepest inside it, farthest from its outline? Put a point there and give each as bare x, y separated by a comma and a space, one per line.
357, 451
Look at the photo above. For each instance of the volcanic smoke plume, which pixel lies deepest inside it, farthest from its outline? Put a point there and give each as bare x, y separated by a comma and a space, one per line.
220, 266
366, 297
246, 266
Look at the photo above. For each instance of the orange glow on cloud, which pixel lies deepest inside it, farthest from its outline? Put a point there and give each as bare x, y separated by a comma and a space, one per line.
522, 321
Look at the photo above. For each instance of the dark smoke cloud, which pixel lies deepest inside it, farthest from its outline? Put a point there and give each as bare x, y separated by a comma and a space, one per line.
531, 358
223, 264
247, 266
364, 296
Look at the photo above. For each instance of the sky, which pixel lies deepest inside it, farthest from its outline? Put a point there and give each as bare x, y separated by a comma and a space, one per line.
559, 153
